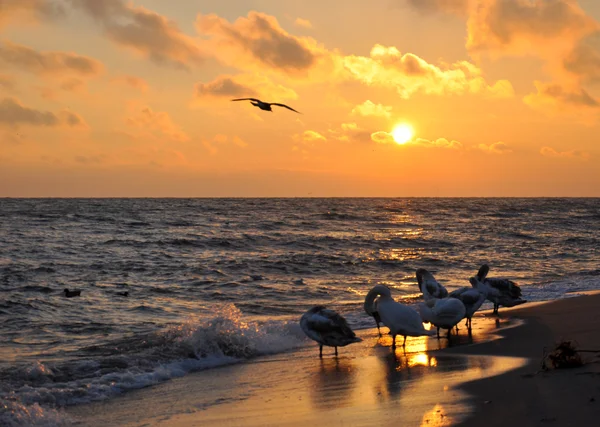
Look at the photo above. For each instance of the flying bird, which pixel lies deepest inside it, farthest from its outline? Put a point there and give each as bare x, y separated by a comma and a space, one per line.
266, 106
327, 327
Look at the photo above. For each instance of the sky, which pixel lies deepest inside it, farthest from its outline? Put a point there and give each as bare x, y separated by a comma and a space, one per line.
398, 98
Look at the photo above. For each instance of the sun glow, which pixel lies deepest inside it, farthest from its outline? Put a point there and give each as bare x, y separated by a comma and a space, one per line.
402, 133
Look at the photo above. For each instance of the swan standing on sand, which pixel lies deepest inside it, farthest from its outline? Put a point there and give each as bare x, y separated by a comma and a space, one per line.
472, 298
327, 328
499, 291
399, 318
265, 106
430, 287
442, 313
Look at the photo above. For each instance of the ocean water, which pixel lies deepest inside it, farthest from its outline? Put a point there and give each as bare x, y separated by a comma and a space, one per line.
218, 281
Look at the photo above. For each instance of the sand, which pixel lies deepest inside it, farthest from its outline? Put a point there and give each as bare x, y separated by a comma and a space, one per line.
483, 381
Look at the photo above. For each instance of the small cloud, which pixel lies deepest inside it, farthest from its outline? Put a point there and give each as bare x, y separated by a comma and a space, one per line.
48, 62
382, 137
7, 82
572, 154
72, 119
495, 148
303, 23
73, 85
239, 142
133, 82
221, 139
349, 126
89, 160
310, 136
13, 113
439, 143
368, 108
157, 123
554, 97
242, 86
223, 86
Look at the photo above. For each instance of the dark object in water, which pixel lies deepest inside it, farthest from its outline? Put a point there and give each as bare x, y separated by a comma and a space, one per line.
71, 294
564, 355
123, 294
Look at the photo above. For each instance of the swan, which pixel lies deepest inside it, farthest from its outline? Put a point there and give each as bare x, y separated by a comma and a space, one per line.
442, 313
500, 291
472, 298
430, 287
327, 327
266, 106
399, 318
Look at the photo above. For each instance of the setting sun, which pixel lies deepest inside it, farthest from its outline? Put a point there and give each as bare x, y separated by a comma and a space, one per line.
402, 133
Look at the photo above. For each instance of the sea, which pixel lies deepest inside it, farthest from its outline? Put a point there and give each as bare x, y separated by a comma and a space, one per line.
210, 282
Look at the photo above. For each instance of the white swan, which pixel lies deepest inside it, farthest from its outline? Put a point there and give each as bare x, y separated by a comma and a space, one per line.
327, 328
472, 298
399, 318
430, 287
442, 313
500, 291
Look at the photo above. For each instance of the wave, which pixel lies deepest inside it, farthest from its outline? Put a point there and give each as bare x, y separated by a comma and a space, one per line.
31, 395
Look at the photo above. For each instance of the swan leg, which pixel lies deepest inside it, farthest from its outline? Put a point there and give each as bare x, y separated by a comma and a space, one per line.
393, 341
449, 331
378, 329
404, 343
438, 333
336, 350
321, 350
495, 309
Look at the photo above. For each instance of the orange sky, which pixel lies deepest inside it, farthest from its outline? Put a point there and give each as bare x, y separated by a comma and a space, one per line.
102, 98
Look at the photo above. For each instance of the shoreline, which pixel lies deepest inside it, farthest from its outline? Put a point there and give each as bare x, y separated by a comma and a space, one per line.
429, 384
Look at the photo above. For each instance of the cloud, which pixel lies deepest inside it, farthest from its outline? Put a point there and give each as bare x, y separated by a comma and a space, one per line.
554, 98
303, 23
133, 82
156, 124
73, 85
7, 82
573, 154
144, 31
243, 86
49, 62
495, 148
259, 41
449, 6
525, 27
584, 59
409, 74
310, 136
38, 9
438, 143
368, 108
13, 114
221, 140
382, 137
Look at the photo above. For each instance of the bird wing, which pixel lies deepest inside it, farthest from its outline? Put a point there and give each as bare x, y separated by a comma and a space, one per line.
285, 106
505, 286
328, 321
247, 99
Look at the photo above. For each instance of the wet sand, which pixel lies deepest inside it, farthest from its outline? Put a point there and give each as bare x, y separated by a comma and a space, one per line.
529, 396
485, 382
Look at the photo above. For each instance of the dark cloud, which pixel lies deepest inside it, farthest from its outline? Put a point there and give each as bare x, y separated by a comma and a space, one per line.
584, 60
146, 32
223, 86
448, 6
262, 39
13, 113
41, 9
48, 62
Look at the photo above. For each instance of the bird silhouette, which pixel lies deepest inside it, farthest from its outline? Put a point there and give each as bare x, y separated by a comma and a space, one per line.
266, 106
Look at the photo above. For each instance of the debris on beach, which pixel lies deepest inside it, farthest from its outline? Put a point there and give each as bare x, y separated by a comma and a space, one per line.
564, 355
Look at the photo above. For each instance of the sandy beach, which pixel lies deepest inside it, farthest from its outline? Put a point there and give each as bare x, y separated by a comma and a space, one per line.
491, 380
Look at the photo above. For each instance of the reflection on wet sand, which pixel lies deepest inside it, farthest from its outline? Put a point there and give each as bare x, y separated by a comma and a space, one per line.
333, 383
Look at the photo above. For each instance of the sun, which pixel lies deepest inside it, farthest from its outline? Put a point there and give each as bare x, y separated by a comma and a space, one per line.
402, 133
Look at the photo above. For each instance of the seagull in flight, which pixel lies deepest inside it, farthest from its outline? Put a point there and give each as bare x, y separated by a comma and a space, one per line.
266, 106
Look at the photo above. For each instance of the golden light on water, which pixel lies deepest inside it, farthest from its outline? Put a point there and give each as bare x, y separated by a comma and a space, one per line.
402, 133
